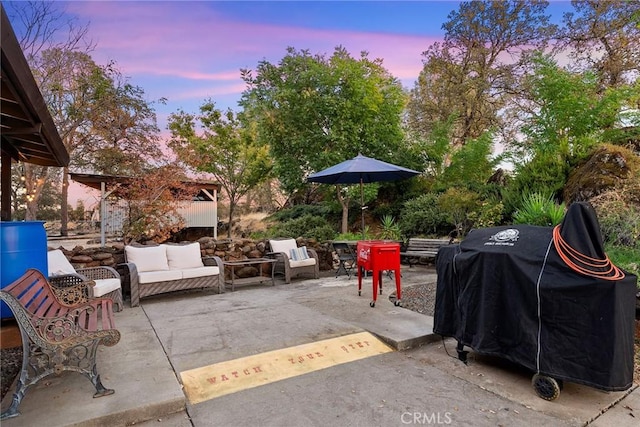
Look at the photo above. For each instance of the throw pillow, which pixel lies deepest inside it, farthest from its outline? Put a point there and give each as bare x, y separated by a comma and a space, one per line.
148, 258
299, 254
184, 256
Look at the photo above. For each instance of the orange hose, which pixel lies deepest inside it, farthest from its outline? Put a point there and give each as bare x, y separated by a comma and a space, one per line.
584, 264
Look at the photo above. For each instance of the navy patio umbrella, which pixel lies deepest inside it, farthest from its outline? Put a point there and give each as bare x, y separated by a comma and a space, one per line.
361, 169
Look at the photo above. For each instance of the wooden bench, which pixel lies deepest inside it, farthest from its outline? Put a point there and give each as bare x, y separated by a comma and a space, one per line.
60, 329
419, 249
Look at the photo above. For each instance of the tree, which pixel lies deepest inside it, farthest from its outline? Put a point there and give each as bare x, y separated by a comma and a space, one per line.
604, 36
473, 73
154, 199
226, 148
41, 26
571, 111
313, 112
104, 122
124, 136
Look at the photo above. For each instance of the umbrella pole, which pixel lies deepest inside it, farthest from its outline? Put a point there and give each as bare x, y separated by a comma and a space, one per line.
362, 207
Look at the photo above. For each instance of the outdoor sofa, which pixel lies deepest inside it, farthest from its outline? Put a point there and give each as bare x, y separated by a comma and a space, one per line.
165, 268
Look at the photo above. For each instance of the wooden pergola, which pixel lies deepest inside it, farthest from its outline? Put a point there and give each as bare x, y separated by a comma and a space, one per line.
26, 127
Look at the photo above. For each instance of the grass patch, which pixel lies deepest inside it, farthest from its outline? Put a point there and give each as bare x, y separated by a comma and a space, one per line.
626, 258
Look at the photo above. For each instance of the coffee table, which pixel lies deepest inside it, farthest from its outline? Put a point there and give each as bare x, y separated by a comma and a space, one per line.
260, 262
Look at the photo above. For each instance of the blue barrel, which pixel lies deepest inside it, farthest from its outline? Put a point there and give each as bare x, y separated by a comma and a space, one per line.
23, 245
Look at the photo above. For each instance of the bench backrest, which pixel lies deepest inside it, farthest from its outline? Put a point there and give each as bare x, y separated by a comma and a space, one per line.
39, 305
35, 295
417, 244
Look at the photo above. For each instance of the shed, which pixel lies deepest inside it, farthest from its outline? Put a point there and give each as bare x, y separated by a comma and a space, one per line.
201, 212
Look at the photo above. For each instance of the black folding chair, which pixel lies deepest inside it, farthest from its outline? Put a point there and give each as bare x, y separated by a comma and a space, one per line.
346, 258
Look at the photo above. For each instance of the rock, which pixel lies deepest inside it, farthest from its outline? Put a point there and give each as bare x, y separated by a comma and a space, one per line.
81, 259
605, 169
248, 271
101, 256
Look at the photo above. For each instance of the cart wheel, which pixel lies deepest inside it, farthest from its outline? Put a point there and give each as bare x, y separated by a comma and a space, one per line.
546, 387
359, 293
397, 303
372, 304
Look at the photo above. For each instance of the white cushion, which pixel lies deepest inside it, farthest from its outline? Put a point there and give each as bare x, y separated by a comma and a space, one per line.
298, 254
159, 276
148, 258
59, 264
189, 273
283, 246
302, 263
184, 256
104, 286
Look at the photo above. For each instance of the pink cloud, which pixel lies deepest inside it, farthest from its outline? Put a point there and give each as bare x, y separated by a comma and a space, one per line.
194, 42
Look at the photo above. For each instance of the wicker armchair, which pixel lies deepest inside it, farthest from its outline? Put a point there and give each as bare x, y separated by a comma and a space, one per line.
289, 263
101, 281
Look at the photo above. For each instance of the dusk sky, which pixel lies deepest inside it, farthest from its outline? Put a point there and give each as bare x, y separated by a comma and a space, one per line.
189, 51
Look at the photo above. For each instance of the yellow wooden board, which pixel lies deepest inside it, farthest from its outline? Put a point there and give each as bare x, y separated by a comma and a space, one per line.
202, 384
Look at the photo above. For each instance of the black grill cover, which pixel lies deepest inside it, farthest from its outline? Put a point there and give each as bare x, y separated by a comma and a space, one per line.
505, 291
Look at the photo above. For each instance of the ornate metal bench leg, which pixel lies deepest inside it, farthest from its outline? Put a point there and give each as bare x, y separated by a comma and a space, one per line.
100, 389
92, 374
12, 411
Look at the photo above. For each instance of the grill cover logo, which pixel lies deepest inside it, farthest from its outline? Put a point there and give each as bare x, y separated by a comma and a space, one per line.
504, 238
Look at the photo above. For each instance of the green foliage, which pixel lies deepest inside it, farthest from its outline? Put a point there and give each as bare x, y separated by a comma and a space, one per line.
308, 226
539, 209
314, 112
389, 228
354, 236
470, 164
78, 213
488, 214
545, 173
226, 148
626, 258
457, 204
422, 217
298, 211
572, 107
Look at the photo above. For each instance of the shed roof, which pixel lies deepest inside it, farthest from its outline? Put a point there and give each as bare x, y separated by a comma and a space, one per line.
95, 180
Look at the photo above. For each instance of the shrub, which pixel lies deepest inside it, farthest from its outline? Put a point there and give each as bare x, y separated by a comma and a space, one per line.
619, 221
421, 217
539, 209
354, 236
457, 204
489, 214
299, 211
305, 226
389, 228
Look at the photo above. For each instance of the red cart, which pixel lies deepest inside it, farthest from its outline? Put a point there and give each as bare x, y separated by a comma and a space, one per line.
377, 256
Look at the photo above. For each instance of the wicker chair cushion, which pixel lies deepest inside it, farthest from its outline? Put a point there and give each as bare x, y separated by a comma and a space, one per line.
105, 286
190, 273
283, 246
148, 258
184, 256
302, 262
159, 276
59, 264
